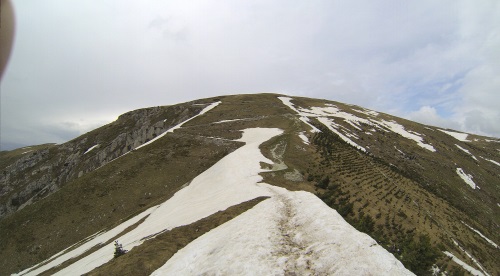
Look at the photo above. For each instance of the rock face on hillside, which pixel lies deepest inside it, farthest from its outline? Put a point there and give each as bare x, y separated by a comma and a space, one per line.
158, 178
37, 174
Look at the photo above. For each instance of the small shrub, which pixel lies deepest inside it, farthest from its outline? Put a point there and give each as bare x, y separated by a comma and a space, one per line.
119, 250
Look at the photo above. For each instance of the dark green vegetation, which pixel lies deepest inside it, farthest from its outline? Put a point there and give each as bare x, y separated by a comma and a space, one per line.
407, 198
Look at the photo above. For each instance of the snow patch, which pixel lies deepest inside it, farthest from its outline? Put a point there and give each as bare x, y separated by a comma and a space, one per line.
307, 122
304, 138
278, 237
457, 135
467, 178
399, 129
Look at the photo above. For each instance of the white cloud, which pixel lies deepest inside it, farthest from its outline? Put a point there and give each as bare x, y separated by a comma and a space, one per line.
109, 57
429, 116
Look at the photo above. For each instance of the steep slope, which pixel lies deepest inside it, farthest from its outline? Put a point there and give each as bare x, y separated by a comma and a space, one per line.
423, 193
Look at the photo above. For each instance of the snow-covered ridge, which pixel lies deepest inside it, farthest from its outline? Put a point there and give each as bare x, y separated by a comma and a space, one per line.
329, 111
279, 236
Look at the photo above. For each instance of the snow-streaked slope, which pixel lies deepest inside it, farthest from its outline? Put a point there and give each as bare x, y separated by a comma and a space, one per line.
93, 240
292, 232
331, 126
230, 181
325, 114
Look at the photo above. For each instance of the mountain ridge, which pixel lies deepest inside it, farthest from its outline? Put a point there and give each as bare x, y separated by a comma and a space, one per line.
392, 155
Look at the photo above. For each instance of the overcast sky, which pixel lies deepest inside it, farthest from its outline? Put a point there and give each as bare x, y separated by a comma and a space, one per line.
78, 64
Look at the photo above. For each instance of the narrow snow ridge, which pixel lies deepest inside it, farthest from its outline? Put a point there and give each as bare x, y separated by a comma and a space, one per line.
466, 151
492, 161
481, 235
279, 236
465, 266
91, 148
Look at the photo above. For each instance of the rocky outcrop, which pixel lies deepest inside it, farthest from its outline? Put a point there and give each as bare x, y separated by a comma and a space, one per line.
40, 173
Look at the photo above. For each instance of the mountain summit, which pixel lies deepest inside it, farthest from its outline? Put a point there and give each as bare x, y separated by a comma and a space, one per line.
260, 184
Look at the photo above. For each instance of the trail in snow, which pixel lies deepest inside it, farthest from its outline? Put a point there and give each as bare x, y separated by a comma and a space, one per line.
290, 233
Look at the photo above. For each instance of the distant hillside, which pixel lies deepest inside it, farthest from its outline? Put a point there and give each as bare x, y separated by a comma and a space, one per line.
262, 184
